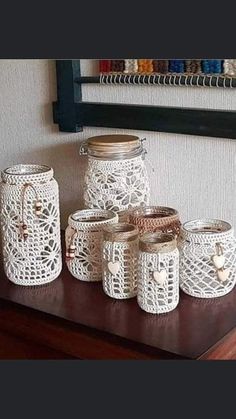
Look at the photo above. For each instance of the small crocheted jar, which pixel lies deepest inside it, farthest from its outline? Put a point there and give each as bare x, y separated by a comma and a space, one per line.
84, 237
120, 258
156, 219
207, 258
116, 177
30, 224
158, 273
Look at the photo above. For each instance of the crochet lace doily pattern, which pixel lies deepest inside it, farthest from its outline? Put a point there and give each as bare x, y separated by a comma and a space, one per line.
87, 239
116, 185
37, 260
152, 297
121, 258
198, 274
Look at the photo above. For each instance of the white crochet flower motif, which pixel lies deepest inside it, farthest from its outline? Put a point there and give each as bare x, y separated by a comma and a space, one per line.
88, 254
50, 256
14, 260
10, 221
133, 192
48, 218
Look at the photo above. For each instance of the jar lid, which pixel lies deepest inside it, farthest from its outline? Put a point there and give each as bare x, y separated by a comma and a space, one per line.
157, 242
120, 232
107, 145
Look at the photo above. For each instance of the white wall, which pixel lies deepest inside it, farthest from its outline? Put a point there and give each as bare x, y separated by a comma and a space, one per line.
193, 174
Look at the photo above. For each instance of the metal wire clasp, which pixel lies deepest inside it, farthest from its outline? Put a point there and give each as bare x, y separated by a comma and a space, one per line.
83, 150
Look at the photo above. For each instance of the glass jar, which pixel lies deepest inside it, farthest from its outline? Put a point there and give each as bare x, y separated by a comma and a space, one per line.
207, 258
120, 257
116, 177
158, 273
155, 218
84, 237
30, 224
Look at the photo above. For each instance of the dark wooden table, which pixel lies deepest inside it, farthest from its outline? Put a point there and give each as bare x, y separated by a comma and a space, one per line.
72, 319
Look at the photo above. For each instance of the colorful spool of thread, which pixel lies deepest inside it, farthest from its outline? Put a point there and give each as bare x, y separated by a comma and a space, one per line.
104, 66
176, 66
212, 66
230, 67
160, 66
131, 66
193, 66
145, 66
117, 66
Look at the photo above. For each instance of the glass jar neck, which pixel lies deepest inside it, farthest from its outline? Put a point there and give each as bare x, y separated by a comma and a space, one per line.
116, 156
27, 173
121, 232
157, 242
206, 230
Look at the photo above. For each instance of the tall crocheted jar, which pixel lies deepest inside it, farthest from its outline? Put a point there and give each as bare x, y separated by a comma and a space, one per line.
120, 257
84, 238
158, 273
30, 224
116, 177
208, 258
155, 218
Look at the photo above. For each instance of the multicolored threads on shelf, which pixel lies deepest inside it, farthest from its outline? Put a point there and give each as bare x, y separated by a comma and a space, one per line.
147, 66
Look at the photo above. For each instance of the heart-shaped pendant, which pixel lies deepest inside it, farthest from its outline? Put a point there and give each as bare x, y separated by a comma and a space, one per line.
219, 261
113, 267
223, 274
160, 277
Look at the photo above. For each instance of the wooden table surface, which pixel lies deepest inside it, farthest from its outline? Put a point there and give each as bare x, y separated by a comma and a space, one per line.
73, 319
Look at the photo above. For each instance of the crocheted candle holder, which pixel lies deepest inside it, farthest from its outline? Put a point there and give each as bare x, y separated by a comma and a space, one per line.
155, 218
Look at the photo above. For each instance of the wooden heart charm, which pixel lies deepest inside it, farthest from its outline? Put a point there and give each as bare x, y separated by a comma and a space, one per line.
160, 277
218, 261
113, 267
223, 274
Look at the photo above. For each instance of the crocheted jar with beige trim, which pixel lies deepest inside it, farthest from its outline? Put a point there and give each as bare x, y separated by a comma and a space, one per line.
30, 224
84, 238
155, 218
116, 177
158, 273
207, 258
120, 259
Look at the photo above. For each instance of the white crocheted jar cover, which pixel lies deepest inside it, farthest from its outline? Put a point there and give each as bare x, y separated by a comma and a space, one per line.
123, 256
37, 260
152, 297
198, 275
116, 185
87, 263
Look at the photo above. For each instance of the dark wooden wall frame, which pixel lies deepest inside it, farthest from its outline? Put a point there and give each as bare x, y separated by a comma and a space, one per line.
72, 114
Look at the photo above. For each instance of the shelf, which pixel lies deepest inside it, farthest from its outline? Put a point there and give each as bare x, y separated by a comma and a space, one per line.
154, 79
77, 318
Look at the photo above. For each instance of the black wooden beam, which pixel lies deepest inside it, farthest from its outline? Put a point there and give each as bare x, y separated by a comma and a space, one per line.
68, 94
203, 122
